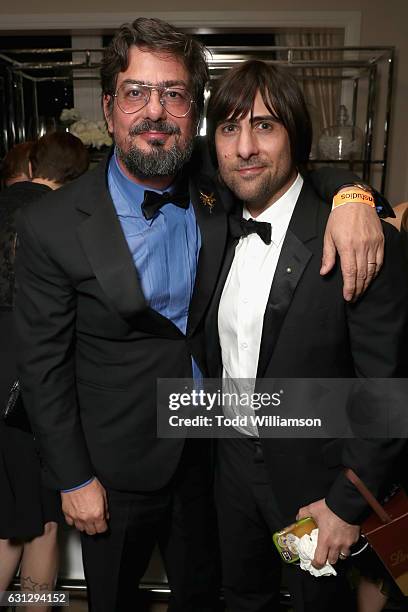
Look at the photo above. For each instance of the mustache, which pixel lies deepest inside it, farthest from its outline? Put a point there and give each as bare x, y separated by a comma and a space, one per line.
249, 163
148, 125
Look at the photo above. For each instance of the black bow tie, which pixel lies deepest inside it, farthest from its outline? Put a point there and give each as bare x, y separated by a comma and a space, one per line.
244, 227
153, 201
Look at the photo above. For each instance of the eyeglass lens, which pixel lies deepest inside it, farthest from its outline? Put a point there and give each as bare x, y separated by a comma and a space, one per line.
132, 97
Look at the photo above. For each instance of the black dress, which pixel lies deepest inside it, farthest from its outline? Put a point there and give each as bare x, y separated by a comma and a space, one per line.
26, 505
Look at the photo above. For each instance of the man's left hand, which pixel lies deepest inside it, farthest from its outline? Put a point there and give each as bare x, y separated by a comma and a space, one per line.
335, 535
355, 231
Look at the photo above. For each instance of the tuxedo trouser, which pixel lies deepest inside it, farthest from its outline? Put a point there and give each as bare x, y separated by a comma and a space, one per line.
248, 515
180, 518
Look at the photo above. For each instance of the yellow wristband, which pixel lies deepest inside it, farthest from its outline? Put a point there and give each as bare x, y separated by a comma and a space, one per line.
354, 194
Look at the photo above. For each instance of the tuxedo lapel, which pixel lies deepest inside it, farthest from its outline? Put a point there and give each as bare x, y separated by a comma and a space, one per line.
212, 337
105, 246
293, 259
212, 221
292, 262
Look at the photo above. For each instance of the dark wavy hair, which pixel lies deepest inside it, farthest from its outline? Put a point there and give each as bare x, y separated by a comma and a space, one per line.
155, 35
59, 156
15, 162
234, 94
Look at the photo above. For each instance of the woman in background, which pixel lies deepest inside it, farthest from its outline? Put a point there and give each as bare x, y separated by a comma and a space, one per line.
29, 511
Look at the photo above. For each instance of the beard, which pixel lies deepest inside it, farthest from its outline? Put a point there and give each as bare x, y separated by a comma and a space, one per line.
158, 161
250, 194
256, 192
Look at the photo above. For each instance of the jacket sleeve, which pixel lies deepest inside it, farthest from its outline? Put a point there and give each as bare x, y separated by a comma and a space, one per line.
377, 330
326, 181
45, 320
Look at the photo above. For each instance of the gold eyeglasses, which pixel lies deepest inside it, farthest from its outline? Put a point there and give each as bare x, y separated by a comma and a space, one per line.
132, 97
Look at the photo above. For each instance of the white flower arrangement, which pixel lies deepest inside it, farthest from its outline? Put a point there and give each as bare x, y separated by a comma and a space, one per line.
92, 133
70, 115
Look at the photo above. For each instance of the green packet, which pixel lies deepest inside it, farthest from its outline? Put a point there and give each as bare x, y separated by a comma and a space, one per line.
286, 539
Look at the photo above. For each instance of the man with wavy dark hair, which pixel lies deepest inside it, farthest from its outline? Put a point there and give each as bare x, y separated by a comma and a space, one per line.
116, 273
274, 317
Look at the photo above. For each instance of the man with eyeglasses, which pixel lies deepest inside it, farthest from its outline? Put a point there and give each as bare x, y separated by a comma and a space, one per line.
107, 274
116, 273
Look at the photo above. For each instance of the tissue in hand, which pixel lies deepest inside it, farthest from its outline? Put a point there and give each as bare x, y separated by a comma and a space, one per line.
306, 547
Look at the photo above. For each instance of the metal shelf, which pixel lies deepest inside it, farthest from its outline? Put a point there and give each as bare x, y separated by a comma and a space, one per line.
366, 73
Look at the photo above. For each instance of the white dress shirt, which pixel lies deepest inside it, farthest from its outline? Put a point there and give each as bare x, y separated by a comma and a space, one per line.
245, 296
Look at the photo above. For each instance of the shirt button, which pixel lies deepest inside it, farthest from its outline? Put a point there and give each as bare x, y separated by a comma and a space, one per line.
244, 345
245, 300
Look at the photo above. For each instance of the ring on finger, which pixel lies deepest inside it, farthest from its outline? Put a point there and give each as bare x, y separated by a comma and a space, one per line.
342, 556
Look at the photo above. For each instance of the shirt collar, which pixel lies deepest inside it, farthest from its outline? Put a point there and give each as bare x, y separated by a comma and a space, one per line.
281, 211
131, 193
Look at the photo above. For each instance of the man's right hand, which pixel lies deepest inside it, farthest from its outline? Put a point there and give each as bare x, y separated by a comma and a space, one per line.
87, 508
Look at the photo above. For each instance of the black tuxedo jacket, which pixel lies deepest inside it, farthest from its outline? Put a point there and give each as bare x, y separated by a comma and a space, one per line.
310, 332
90, 348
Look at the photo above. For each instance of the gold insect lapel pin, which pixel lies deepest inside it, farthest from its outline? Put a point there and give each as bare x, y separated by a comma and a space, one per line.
208, 200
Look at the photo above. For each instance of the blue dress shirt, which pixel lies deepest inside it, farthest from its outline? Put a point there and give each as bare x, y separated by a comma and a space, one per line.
165, 248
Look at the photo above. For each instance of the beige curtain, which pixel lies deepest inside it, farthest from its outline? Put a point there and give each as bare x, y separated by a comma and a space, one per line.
321, 88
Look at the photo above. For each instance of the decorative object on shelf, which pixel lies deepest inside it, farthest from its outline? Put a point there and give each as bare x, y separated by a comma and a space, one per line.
68, 117
341, 141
